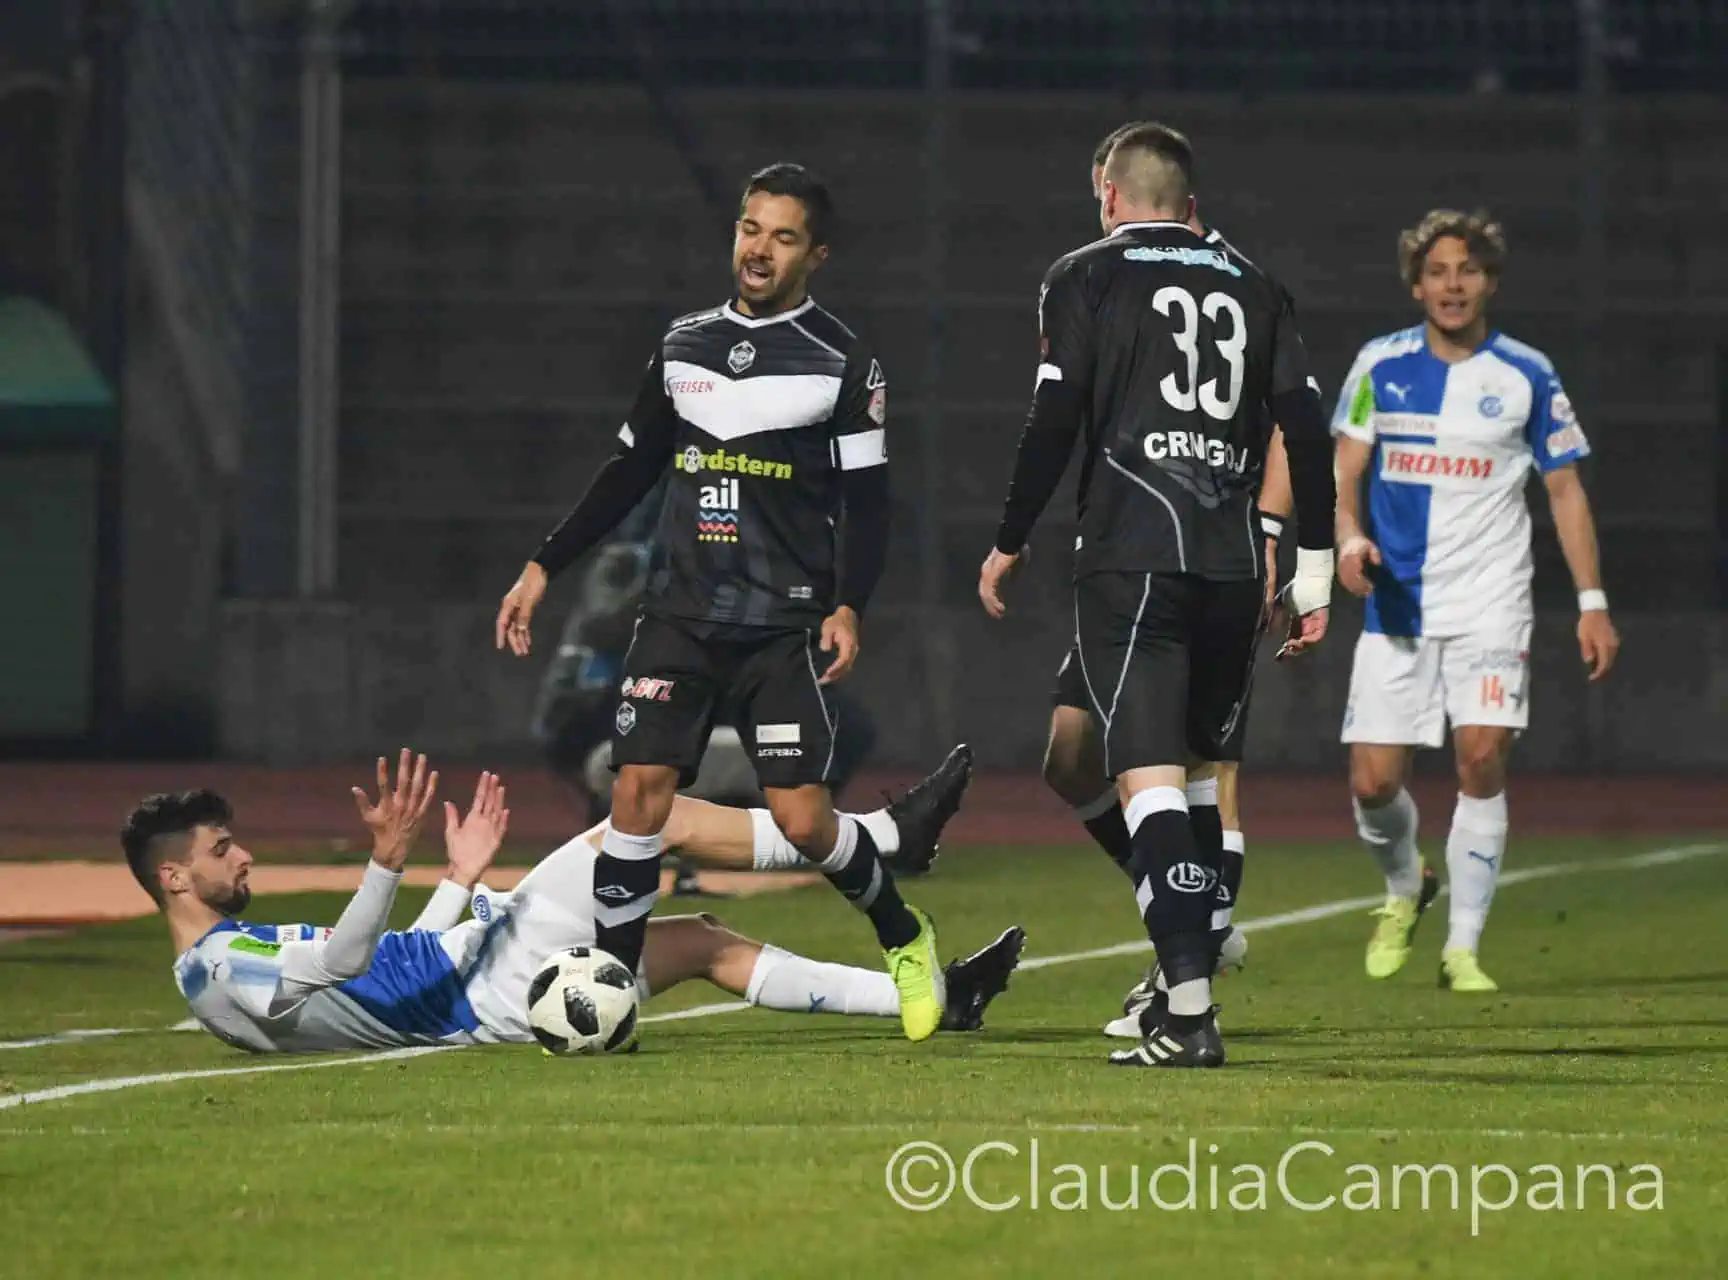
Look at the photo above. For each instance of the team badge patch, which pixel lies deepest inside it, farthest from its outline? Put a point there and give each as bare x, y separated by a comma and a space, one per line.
741, 357
1489, 406
626, 720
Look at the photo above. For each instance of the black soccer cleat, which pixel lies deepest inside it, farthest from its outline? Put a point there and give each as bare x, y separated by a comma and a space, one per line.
978, 979
1164, 1047
924, 810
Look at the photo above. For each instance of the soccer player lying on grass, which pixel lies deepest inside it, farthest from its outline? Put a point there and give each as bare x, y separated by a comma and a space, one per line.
300, 988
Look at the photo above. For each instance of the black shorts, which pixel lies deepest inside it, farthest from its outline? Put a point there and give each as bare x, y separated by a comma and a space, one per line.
1168, 664
1070, 684
681, 676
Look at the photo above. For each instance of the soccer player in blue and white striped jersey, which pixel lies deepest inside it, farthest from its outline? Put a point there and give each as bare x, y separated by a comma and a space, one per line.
1445, 421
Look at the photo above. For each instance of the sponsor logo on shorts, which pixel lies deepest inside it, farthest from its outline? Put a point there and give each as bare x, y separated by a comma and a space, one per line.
648, 687
626, 719
778, 734
1499, 659
778, 752
1190, 877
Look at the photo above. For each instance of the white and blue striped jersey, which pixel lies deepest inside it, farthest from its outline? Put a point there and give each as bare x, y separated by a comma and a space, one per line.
1453, 447
260, 987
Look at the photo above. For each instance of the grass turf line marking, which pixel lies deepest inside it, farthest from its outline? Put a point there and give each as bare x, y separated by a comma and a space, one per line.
1303, 915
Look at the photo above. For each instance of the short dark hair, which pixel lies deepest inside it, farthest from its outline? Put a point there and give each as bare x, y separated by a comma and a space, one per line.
157, 821
1102, 151
1169, 145
1481, 235
787, 179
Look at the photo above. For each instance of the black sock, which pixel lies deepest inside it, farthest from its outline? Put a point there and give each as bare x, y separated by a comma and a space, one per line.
1109, 829
626, 886
854, 868
1208, 831
1173, 889
1229, 885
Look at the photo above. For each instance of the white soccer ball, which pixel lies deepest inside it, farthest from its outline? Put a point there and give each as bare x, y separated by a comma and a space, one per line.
583, 1001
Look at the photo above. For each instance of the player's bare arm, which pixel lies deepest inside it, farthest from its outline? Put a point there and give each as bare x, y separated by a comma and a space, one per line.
1598, 641
1356, 551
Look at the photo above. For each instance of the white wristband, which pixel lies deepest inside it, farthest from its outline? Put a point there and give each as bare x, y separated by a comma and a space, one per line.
1593, 601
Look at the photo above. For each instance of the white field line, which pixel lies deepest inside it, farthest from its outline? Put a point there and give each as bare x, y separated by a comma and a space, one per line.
1304, 915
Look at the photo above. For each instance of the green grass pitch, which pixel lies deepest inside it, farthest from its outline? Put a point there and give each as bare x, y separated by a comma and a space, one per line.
753, 1144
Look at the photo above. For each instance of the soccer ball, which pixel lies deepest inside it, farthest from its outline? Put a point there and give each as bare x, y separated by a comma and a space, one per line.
583, 1001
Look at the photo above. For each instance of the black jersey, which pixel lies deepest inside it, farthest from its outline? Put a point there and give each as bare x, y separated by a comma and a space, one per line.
1170, 348
760, 422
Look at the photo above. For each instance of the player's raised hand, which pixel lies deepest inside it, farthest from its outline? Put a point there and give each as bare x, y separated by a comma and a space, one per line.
840, 634
516, 613
472, 841
1598, 641
1354, 557
993, 575
395, 817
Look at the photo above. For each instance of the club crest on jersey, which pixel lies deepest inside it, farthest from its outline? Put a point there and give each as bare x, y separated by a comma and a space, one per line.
741, 357
717, 512
1490, 407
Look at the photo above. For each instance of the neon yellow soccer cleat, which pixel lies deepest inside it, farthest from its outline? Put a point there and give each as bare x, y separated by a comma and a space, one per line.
1389, 948
1459, 971
917, 973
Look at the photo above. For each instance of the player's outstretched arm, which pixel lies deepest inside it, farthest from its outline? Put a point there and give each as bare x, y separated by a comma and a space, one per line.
1598, 641
644, 448
394, 819
1276, 504
470, 844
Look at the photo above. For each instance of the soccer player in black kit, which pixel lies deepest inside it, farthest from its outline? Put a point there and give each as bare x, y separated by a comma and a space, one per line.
771, 415
1176, 357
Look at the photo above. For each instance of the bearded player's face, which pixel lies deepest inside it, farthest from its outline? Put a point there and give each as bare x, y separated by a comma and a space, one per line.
1453, 288
772, 254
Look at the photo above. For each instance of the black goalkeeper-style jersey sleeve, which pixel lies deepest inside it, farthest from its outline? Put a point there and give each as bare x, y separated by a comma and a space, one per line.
1295, 405
645, 444
1060, 394
861, 451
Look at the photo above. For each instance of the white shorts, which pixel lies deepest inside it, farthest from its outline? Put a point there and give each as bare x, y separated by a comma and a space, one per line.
1403, 689
509, 940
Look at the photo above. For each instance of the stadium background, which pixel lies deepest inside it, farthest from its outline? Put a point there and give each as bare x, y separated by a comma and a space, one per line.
317, 315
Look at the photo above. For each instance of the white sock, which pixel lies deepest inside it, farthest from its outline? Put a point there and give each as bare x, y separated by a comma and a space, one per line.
782, 980
881, 830
1190, 998
1474, 851
773, 851
1390, 834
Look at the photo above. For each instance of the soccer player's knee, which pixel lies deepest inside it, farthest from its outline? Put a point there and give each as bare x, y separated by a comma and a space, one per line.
1372, 788
1481, 764
641, 797
805, 826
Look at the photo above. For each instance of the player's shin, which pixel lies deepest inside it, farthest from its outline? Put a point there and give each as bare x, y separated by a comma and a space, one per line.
1475, 850
1175, 894
854, 868
1104, 822
1229, 885
783, 980
1389, 832
626, 886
